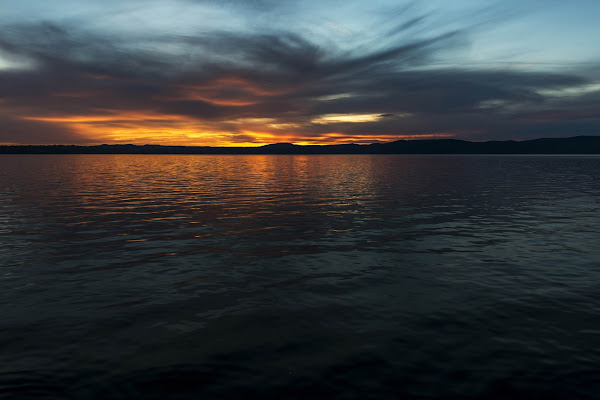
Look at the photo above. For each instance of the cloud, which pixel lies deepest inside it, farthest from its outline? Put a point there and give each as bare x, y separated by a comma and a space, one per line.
18, 131
85, 85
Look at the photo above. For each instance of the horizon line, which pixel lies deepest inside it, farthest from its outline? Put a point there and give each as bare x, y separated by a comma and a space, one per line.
302, 145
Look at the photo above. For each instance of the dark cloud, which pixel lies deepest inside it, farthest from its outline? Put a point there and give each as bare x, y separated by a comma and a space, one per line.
217, 77
19, 131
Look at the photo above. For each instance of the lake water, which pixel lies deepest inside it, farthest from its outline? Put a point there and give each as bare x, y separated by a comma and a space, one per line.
284, 277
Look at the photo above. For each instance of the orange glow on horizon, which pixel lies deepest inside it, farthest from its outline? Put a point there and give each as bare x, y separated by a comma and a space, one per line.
114, 127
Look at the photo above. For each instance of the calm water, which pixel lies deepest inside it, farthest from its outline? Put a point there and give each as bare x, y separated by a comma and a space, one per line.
350, 277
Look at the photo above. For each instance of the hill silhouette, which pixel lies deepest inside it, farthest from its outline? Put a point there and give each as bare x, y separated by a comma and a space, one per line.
571, 145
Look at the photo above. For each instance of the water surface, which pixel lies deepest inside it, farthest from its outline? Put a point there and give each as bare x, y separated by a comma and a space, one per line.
187, 276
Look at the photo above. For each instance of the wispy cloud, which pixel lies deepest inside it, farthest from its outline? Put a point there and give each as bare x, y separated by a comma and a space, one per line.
89, 85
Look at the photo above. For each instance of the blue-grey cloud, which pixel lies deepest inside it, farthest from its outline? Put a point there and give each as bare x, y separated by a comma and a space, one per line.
287, 77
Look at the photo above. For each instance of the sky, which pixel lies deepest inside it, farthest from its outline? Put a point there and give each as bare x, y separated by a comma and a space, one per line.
253, 72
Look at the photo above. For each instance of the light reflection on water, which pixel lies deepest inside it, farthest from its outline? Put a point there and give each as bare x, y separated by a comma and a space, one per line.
155, 276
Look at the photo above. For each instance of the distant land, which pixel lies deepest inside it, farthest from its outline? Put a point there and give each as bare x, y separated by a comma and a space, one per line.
571, 145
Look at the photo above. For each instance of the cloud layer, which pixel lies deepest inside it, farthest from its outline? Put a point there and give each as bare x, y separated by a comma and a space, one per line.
69, 83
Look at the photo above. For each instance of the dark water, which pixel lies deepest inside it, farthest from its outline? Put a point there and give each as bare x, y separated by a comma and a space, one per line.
339, 277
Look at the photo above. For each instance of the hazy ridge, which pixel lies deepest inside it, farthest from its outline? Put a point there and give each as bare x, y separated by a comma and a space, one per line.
571, 145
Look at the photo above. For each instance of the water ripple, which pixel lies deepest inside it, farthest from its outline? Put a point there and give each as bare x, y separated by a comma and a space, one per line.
299, 276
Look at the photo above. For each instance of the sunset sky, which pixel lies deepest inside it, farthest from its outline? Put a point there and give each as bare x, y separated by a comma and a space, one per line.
252, 72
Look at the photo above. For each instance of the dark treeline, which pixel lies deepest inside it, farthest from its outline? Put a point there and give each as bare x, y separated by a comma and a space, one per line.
572, 145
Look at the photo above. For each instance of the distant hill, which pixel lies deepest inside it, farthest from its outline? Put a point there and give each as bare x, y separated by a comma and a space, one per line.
572, 145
